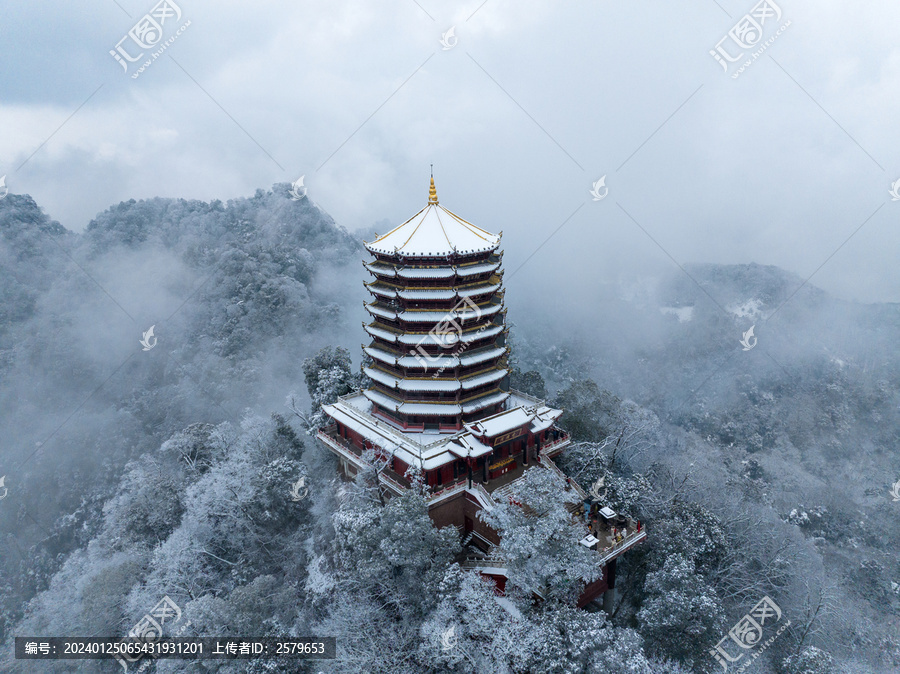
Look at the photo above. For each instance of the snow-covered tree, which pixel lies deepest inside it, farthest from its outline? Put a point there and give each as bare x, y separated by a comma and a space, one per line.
591, 413
328, 375
811, 661
539, 536
680, 615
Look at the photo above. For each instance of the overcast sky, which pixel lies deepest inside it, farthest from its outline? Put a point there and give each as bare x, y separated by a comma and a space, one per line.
532, 103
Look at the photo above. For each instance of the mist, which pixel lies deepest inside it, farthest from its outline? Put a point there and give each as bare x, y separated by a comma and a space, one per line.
701, 253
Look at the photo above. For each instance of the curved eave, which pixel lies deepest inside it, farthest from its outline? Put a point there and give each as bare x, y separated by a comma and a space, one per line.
434, 295
388, 271
485, 402
377, 269
431, 316
473, 358
386, 335
475, 269
430, 384
421, 384
447, 339
482, 379
419, 409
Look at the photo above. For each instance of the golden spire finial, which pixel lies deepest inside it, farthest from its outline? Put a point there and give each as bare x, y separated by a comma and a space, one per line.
432, 192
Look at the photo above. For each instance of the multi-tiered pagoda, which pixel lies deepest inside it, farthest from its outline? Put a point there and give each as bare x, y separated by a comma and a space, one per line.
440, 401
438, 339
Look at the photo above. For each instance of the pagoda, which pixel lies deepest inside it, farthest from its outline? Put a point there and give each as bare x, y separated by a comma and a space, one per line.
440, 405
438, 339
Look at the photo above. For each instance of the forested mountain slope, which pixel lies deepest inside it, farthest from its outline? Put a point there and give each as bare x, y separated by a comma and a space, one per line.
134, 474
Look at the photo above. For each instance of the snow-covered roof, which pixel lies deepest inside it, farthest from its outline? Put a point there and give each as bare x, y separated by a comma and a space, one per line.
431, 383
487, 401
486, 378
430, 316
434, 231
446, 338
426, 449
541, 425
435, 316
375, 310
480, 289
386, 335
427, 384
381, 289
500, 423
437, 362
481, 355
467, 445
421, 409
381, 269
410, 361
473, 269
544, 417
431, 293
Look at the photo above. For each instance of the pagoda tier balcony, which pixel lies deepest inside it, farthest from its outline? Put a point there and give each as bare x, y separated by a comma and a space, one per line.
438, 337
451, 260
444, 275
419, 362
475, 292
446, 308
481, 378
452, 305
449, 340
351, 456
439, 390
435, 409
491, 472
444, 367
411, 365
441, 284
414, 319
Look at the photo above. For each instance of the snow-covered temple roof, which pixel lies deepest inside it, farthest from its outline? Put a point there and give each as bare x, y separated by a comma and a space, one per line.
430, 449
434, 231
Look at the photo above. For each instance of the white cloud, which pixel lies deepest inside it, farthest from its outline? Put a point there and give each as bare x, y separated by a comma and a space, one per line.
747, 170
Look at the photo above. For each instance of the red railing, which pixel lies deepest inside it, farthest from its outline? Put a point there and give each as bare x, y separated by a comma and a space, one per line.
564, 437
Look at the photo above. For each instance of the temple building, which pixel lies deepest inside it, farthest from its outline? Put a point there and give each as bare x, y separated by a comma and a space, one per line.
440, 401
